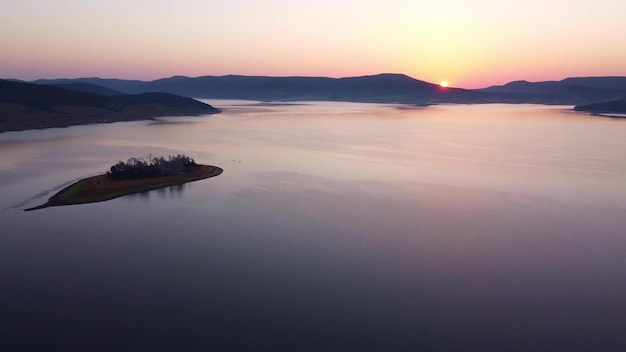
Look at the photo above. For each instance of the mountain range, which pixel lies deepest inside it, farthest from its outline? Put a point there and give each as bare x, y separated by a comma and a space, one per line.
383, 88
66, 102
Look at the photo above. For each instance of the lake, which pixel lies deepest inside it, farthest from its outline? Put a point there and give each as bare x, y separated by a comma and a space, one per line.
334, 227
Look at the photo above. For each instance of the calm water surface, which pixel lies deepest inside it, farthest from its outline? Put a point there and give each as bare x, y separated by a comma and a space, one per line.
334, 227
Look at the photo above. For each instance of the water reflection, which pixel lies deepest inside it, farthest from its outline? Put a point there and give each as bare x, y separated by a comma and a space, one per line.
334, 227
175, 191
171, 192
165, 193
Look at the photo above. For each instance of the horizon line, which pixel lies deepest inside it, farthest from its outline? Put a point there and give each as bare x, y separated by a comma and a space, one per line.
301, 76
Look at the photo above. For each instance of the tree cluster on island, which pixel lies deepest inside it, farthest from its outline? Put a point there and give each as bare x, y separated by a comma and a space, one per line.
146, 167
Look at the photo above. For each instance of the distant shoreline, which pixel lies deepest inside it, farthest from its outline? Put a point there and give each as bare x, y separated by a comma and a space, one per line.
17, 121
614, 109
100, 188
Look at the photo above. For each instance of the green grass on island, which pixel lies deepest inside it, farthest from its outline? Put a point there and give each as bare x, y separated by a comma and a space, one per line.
134, 176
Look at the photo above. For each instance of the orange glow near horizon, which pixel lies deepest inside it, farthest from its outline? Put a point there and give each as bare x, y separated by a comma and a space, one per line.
487, 42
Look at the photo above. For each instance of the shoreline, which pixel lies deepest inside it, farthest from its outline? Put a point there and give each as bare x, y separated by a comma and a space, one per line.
100, 188
38, 121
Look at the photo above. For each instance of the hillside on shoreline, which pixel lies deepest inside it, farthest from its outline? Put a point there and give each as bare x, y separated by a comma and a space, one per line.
26, 106
609, 107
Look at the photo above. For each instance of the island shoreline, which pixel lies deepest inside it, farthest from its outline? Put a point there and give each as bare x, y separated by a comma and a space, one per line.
100, 188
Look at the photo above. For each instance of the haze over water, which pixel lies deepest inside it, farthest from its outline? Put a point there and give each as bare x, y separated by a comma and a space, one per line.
335, 226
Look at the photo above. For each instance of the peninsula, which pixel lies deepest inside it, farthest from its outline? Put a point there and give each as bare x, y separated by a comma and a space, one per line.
608, 107
25, 106
134, 176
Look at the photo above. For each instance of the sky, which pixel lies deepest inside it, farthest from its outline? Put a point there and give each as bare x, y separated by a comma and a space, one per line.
470, 44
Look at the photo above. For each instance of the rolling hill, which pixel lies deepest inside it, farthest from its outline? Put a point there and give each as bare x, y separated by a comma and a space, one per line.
27, 106
570, 91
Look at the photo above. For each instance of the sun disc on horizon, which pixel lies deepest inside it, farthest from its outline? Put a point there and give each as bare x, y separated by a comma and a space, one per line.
444, 84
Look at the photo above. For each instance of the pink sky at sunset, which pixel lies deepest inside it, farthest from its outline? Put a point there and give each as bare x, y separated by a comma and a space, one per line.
469, 44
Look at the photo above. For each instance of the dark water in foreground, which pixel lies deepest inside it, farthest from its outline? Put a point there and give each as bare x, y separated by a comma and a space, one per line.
334, 227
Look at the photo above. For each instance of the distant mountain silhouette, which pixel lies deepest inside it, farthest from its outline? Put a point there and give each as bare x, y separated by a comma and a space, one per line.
120, 85
579, 90
89, 88
27, 106
383, 88
609, 107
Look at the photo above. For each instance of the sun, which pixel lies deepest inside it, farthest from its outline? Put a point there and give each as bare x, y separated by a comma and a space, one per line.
444, 84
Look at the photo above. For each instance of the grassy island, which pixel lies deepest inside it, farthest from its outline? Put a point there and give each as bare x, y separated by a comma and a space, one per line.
134, 176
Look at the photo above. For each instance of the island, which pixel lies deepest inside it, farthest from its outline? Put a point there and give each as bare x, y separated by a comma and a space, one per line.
134, 176
609, 107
